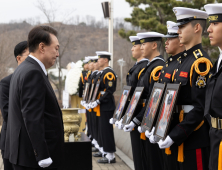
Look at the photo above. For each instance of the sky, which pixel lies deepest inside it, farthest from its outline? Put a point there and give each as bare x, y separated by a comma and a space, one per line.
18, 10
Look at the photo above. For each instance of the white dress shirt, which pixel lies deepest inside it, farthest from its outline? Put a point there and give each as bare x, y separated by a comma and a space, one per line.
40, 63
219, 59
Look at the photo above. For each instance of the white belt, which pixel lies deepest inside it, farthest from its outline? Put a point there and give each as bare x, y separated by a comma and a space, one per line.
102, 92
186, 108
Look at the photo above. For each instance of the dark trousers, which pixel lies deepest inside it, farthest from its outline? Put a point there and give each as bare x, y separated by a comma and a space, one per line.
151, 155
106, 132
18, 167
7, 164
195, 159
136, 149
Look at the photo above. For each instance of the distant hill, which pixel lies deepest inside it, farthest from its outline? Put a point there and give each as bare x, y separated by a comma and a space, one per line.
85, 41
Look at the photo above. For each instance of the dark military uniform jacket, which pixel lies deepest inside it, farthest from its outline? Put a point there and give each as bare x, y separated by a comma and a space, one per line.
144, 81
82, 82
191, 95
169, 68
213, 108
107, 86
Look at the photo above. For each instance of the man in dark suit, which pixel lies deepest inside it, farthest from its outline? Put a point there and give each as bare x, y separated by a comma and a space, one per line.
21, 52
35, 133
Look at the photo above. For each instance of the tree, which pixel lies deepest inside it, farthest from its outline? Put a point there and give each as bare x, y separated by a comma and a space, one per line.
50, 15
158, 12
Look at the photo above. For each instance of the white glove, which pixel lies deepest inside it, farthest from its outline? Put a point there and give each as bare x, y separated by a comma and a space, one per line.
83, 102
111, 121
45, 162
129, 127
88, 106
117, 123
94, 104
120, 125
148, 134
140, 129
166, 143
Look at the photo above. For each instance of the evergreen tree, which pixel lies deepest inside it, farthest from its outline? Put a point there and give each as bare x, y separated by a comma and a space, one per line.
158, 12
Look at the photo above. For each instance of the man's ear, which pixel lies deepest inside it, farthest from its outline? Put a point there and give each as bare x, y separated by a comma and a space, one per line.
154, 45
18, 58
41, 48
197, 28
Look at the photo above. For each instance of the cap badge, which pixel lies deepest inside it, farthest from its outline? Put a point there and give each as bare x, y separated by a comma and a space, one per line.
213, 18
133, 43
175, 11
142, 41
98, 56
194, 17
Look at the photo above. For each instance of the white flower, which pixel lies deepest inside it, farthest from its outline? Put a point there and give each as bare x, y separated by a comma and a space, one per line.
73, 77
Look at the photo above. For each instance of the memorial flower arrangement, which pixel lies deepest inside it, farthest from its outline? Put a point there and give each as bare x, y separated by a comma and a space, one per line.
73, 77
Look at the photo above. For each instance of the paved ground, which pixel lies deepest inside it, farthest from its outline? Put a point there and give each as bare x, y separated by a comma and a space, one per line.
119, 165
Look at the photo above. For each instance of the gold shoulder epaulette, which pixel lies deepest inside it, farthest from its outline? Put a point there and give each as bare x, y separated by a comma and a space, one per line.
110, 76
197, 53
153, 73
201, 80
140, 73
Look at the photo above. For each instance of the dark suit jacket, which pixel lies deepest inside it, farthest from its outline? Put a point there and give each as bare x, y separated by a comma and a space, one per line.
35, 127
4, 98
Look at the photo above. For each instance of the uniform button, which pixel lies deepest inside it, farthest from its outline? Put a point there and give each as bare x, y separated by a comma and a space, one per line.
171, 59
166, 65
160, 79
175, 79
163, 71
180, 62
185, 54
176, 70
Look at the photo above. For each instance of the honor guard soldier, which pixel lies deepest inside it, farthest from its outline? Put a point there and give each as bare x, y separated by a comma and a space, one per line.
132, 80
83, 103
188, 132
105, 106
175, 49
91, 114
213, 108
150, 46
82, 77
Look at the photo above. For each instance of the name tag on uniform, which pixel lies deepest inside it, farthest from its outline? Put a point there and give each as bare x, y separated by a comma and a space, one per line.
183, 74
167, 75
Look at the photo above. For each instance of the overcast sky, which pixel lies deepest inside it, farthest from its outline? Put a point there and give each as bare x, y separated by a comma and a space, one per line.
17, 10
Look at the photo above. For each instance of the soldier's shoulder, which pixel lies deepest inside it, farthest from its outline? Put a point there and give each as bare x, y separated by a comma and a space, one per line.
200, 53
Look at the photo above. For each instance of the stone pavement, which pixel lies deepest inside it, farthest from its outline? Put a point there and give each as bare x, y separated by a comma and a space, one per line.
119, 165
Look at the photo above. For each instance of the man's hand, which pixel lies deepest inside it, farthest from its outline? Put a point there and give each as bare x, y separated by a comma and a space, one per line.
45, 162
140, 129
111, 121
94, 104
120, 125
88, 106
82, 102
129, 127
166, 143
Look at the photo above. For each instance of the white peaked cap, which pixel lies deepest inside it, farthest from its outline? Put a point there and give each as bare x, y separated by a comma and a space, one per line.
212, 9
183, 13
103, 53
149, 35
134, 38
172, 27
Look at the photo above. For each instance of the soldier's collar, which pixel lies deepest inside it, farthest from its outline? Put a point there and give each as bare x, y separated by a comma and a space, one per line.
94, 71
191, 50
160, 57
173, 58
144, 59
220, 50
